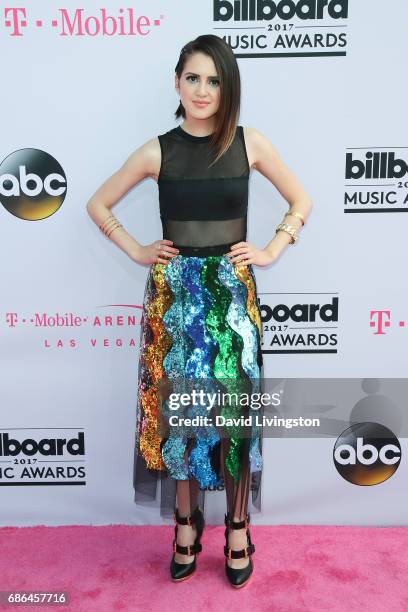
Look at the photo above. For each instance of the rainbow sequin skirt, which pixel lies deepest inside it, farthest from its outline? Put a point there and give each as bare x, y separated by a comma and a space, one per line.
200, 327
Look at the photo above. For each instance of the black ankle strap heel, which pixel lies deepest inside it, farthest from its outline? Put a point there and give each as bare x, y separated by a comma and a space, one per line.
181, 571
238, 577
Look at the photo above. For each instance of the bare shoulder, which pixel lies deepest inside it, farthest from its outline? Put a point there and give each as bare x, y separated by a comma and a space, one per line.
146, 158
268, 161
257, 146
143, 162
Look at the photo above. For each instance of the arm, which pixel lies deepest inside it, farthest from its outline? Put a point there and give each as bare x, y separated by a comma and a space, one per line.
143, 162
265, 158
268, 162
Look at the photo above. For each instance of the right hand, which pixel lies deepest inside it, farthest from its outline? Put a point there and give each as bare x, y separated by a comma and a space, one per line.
156, 252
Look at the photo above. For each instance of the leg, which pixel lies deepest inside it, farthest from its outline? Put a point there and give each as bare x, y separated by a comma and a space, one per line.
187, 498
237, 495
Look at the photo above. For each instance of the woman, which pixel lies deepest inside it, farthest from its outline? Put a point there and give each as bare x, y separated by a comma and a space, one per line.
201, 319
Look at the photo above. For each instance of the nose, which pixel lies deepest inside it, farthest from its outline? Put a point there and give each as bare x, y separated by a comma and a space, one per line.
202, 89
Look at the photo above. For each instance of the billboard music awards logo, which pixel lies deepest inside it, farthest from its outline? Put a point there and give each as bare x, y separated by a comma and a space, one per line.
219, 487
367, 454
300, 324
33, 184
376, 179
39, 457
283, 28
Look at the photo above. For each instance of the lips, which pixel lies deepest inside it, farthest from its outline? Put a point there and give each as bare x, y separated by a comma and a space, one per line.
200, 103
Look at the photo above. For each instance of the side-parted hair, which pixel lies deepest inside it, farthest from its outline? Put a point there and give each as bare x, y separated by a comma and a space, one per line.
230, 87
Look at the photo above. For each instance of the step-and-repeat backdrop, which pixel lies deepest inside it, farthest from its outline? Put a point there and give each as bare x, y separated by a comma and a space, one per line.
83, 86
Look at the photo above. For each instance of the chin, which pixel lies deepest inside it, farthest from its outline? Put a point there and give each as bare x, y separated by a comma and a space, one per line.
201, 113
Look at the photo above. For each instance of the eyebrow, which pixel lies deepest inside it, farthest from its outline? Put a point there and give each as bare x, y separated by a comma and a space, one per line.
210, 77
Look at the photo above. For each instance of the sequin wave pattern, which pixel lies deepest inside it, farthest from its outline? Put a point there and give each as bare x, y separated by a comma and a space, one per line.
200, 319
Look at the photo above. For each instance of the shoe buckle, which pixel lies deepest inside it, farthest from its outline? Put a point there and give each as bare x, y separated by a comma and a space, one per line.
246, 552
174, 546
189, 521
229, 553
188, 549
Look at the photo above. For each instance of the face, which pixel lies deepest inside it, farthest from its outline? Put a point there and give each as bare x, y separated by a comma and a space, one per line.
199, 82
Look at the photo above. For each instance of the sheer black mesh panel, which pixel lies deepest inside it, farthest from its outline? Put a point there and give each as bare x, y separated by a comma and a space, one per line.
190, 160
203, 209
205, 237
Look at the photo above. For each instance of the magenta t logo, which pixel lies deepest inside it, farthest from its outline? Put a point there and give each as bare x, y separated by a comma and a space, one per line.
379, 319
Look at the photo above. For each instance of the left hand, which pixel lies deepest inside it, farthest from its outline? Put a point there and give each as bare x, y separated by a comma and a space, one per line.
244, 253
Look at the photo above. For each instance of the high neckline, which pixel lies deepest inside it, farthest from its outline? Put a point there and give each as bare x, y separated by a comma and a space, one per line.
191, 137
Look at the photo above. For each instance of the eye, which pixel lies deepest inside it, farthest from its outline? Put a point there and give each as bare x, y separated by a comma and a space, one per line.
190, 77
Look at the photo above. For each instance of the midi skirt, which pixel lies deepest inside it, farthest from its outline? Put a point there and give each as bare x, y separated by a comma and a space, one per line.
201, 331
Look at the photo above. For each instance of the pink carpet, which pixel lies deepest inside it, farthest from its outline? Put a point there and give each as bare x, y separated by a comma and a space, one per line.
122, 567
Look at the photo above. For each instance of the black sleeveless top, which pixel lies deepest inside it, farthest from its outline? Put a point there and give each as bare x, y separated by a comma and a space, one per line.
203, 210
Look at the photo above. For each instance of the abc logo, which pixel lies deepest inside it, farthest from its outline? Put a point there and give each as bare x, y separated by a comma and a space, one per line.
367, 453
32, 184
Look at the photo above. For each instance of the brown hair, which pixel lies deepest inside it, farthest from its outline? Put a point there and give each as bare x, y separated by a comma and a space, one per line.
230, 87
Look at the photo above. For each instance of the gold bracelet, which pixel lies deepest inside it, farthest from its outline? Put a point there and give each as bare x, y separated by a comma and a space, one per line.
296, 214
107, 221
110, 224
112, 228
289, 229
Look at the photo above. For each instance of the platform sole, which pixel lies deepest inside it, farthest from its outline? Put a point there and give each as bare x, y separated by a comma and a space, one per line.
239, 586
184, 578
